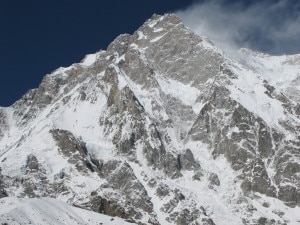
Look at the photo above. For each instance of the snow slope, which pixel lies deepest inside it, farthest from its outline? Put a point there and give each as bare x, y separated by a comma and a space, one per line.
15, 211
283, 72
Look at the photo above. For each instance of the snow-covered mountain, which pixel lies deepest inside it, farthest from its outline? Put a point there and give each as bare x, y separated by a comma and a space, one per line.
161, 128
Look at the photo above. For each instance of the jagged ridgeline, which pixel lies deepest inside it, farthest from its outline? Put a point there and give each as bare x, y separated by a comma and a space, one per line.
161, 128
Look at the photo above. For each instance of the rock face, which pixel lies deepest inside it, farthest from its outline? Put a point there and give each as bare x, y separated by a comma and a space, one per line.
161, 128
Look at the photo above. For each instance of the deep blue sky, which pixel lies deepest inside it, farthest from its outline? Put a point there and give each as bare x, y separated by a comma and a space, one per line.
39, 36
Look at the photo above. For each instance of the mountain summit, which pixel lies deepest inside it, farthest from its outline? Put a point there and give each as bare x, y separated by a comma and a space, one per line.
161, 128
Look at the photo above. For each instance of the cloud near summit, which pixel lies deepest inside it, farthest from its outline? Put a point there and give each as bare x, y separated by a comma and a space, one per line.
271, 26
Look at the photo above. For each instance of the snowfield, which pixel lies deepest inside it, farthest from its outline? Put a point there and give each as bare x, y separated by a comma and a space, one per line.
15, 211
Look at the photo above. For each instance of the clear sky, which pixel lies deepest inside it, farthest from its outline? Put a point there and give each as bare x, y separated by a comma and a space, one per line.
39, 36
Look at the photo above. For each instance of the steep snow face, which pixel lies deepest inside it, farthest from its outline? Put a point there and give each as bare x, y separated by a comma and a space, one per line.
283, 72
17, 211
161, 128
249, 90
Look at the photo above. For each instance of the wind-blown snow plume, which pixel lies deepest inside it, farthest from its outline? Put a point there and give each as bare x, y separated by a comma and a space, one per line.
267, 26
